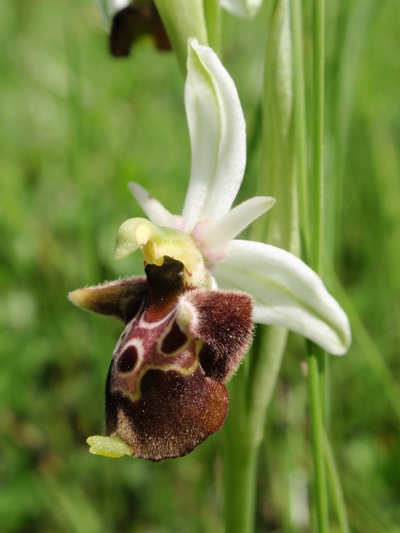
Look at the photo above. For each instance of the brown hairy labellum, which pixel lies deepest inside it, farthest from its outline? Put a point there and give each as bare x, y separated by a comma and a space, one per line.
165, 391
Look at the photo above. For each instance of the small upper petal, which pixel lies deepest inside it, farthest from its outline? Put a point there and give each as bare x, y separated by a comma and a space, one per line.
217, 135
213, 236
287, 293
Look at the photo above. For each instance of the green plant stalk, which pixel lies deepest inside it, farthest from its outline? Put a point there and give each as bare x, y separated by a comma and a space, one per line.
239, 459
317, 200
212, 13
240, 474
300, 129
250, 394
336, 488
317, 431
278, 174
182, 20
252, 388
316, 357
263, 374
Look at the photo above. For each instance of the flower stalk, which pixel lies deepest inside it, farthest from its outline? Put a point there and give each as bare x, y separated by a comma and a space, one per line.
183, 20
299, 123
278, 174
240, 467
212, 13
315, 365
316, 358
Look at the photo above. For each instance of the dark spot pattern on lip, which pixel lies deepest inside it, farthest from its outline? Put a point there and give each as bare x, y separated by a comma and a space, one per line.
127, 360
173, 340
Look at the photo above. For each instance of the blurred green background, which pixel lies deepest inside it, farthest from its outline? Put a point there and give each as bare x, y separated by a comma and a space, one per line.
75, 127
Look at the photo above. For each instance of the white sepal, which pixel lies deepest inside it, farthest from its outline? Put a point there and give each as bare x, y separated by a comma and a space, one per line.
213, 236
287, 293
217, 136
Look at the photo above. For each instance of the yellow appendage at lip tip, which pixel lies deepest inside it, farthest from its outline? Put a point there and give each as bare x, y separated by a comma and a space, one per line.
111, 446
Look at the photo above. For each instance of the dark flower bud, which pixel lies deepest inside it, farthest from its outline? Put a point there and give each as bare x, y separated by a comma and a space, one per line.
131, 23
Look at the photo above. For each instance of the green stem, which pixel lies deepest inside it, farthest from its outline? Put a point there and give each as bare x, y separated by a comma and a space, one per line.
336, 488
317, 431
183, 19
240, 458
240, 476
316, 359
212, 13
300, 130
318, 137
250, 395
263, 374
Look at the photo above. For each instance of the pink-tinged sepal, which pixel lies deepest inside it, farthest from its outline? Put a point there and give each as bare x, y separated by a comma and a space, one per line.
121, 299
223, 321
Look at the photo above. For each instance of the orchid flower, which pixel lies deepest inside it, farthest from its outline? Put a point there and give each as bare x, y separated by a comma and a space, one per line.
286, 291
188, 323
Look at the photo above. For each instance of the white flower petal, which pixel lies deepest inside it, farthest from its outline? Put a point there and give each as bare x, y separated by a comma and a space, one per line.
213, 236
108, 8
217, 136
287, 293
154, 210
242, 8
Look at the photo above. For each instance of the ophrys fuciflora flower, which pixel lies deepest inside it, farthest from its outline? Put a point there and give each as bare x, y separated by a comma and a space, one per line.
164, 390
184, 336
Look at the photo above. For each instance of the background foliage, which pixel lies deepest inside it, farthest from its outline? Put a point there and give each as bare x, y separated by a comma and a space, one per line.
75, 127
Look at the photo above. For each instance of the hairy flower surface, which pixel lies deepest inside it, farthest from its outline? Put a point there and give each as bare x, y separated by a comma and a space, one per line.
165, 391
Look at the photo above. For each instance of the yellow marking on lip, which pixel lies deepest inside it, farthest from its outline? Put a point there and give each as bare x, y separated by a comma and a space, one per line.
144, 324
176, 352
